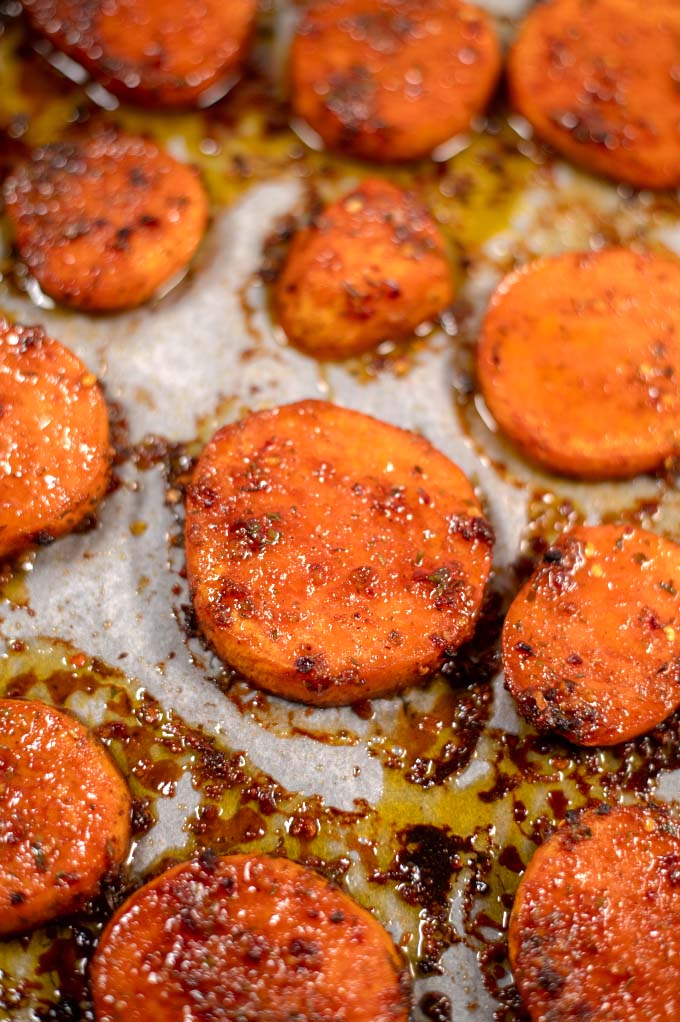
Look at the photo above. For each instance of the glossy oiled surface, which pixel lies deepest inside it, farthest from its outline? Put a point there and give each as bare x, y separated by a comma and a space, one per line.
103, 223
332, 557
579, 361
598, 79
595, 929
246, 938
150, 51
372, 266
392, 79
55, 454
591, 644
64, 814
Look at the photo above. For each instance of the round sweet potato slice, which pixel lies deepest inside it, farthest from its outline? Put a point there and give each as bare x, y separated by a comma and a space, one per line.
149, 51
55, 454
371, 267
246, 937
595, 928
64, 814
579, 362
591, 644
332, 557
598, 80
103, 224
392, 79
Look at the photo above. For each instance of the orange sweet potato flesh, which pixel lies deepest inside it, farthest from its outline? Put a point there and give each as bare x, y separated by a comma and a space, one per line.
371, 267
150, 51
595, 928
102, 224
246, 937
392, 79
598, 79
579, 361
55, 454
332, 557
591, 644
64, 814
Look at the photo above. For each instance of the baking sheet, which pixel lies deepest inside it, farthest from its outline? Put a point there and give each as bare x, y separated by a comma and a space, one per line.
204, 354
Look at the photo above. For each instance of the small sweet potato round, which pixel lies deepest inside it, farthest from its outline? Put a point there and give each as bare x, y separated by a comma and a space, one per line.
64, 814
150, 51
579, 361
598, 79
595, 928
55, 454
371, 267
591, 644
103, 224
392, 79
246, 937
332, 557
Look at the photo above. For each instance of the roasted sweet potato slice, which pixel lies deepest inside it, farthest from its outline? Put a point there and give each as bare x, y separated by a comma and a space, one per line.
332, 557
392, 79
579, 361
150, 51
104, 223
595, 929
246, 937
64, 814
371, 267
598, 79
55, 454
591, 644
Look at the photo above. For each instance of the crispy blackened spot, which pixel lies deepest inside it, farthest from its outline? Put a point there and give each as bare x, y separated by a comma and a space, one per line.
202, 495
446, 587
363, 579
389, 500
410, 230
542, 708
554, 579
363, 302
548, 978
306, 954
575, 831
351, 97
472, 528
121, 239
27, 336
314, 669
148, 221
138, 178
231, 600
249, 536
